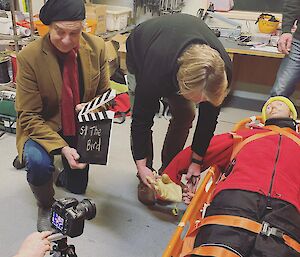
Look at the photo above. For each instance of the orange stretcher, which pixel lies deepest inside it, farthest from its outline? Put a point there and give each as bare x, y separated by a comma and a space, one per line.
193, 213
182, 241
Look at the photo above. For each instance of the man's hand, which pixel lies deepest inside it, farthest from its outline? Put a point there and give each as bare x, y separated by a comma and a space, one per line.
35, 245
187, 196
285, 43
79, 107
193, 177
145, 172
72, 157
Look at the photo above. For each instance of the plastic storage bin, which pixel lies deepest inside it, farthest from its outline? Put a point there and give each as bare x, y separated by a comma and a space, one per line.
117, 17
41, 28
90, 26
222, 5
5, 26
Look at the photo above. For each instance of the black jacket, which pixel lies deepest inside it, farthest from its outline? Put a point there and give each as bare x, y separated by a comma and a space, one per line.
153, 48
291, 13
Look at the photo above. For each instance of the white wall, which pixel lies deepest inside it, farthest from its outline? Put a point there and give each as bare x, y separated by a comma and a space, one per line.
36, 6
192, 6
115, 2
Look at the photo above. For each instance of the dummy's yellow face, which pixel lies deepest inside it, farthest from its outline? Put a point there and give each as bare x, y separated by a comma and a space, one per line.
278, 109
65, 35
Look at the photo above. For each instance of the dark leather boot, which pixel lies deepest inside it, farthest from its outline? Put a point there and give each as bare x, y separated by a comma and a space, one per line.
44, 195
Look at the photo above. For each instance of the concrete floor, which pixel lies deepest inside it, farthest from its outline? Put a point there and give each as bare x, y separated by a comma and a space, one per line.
123, 226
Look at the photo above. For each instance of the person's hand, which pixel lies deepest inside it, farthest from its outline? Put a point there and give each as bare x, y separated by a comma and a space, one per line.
35, 245
72, 157
193, 177
187, 196
79, 107
145, 172
284, 43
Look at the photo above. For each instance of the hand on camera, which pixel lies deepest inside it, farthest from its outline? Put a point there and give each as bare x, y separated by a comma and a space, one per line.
35, 245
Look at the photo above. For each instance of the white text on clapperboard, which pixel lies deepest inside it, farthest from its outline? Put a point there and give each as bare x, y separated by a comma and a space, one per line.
92, 131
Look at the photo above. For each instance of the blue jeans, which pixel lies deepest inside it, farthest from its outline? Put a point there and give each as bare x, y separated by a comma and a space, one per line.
288, 74
40, 168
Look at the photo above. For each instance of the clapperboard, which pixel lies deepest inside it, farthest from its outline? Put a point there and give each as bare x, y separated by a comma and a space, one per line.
95, 130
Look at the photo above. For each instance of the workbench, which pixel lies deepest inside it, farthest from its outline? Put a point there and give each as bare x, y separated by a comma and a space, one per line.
252, 66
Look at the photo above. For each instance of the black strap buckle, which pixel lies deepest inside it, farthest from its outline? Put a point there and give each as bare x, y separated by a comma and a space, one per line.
229, 168
267, 230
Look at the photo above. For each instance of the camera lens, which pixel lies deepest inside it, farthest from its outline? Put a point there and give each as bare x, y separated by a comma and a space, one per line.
88, 209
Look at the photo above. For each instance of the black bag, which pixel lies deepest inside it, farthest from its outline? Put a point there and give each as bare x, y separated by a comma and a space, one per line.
95, 131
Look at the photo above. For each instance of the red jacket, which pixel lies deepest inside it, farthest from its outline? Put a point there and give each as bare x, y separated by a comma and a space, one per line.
269, 165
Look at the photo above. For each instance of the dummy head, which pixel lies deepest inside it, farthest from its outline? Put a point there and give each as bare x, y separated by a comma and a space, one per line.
65, 19
278, 107
201, 75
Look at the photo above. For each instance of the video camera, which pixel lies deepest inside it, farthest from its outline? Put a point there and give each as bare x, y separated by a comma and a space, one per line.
68, 215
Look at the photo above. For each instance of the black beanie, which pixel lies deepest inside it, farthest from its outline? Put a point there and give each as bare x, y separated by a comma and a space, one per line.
62, 10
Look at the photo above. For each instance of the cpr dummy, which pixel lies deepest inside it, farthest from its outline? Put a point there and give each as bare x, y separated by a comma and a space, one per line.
166, 189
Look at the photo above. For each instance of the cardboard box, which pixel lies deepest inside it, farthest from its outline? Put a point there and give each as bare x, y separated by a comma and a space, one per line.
120, 41
122, 56
116, 53
97, 12
112, 57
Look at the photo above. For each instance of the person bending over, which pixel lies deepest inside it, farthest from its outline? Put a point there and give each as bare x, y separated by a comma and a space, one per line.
179, 58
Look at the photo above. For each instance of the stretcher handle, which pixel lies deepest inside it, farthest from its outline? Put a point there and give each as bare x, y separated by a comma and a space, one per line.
191, 212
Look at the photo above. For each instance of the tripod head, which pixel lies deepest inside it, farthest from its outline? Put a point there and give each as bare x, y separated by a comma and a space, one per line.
61, 247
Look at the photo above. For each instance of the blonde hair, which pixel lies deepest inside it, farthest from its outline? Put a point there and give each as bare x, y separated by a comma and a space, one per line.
202, 70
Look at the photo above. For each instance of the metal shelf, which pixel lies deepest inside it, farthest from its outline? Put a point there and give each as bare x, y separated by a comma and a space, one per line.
15, 37
110, 34
9, 37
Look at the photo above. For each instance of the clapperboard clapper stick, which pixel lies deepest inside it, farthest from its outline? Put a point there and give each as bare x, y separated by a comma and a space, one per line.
95, 130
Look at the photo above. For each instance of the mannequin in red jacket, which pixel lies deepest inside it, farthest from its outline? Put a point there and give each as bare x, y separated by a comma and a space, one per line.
263, 185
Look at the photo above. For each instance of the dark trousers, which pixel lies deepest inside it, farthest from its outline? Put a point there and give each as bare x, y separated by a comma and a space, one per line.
183, 114
254, 206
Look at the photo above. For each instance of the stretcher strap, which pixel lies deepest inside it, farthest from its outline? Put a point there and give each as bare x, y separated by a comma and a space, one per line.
188, 243
274, 130
291, 243
288, 132
240, 145
244, 223
237, 140
232, 221
216, 251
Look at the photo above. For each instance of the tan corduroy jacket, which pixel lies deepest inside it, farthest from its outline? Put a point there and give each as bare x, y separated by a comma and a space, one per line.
39, 84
